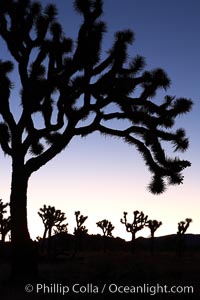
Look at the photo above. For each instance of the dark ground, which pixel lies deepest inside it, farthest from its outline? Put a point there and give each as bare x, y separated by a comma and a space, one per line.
93, 270
93, 274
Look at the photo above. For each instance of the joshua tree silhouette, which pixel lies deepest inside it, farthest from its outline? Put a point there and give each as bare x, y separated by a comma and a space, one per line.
107, 229
182, 228
139, 221
51, 217
153, 226
79, 231
5, 223
62, 85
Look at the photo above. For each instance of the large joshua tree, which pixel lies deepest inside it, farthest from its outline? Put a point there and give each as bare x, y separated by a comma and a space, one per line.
64, 83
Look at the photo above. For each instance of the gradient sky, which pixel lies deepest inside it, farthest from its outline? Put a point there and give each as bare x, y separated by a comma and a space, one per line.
102, 177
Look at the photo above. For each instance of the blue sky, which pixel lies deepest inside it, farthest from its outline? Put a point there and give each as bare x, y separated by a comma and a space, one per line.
102, 177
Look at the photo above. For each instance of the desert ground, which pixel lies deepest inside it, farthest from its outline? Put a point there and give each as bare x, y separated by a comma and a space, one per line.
88, 273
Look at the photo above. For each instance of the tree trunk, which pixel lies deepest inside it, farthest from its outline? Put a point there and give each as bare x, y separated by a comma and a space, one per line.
133, 242
49, 242
23, 261
43, 245
104, 244
50, 232
3, 237
152, 243
45, 233
180, 244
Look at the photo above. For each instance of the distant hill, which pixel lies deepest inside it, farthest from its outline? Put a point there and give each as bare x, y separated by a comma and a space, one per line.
64, 242
169, 242
95, 242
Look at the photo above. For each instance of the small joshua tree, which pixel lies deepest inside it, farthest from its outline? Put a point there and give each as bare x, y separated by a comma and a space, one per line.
50, 217
80, 230
153, 226
5, 222
182, 228
139, 221
107, 229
